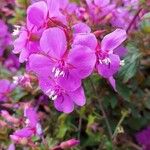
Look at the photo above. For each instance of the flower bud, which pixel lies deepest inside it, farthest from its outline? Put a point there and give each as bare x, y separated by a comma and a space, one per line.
69, 144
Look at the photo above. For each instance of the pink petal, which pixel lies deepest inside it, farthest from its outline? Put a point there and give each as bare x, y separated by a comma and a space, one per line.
109, 70
53, 42
101, 3
64, 103
69, 82
37, 13
112, 82
113, 40
81, 28
53, 7
121, 51
83, 60
32, 116
4, 85
78, 96
40, 64
24, 55
25, 132
20, 42
46, 84
88, 40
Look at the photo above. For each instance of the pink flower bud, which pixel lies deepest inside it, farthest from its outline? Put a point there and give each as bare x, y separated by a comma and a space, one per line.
69, 144
8, 117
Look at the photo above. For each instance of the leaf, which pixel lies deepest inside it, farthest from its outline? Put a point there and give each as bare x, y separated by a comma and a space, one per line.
18, 93
113, 102
131, 62
123, 91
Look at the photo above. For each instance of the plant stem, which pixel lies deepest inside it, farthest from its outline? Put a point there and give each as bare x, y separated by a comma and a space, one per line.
119, 124
133, 20
79, 127
102, 110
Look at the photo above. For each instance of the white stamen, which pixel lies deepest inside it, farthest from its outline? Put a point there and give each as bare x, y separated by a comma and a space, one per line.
122, 63
27, 121
16, 30
105, 61
52, 93
62, 73
15, 79
53, 70
100, 61
54, 97
57, 72
38, 129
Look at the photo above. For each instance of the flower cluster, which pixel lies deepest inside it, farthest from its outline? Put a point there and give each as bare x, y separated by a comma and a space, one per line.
119, 13
32, 127
62, 52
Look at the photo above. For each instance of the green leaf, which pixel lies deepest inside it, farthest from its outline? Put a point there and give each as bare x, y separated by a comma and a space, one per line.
123, 91
131, 62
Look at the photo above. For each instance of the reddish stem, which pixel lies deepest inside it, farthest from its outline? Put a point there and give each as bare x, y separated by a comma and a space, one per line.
133, 20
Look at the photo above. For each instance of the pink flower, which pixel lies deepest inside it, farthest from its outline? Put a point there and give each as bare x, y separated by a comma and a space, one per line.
42, 14
32, 127
108, 63
27, 43
63, 100
98, 9
68, 66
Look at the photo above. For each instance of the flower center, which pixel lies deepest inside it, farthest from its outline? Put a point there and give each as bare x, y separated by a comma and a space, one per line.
105, 61
52, 94
103, 58
58, 72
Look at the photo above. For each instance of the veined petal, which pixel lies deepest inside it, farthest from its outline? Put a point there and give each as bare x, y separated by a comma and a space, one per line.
46, 84
108, 70
53, 7
83, 61
40, 64
81, 28
88, 40
78, 96
113, 40
37, 13
64, 103
53, 42
69, 82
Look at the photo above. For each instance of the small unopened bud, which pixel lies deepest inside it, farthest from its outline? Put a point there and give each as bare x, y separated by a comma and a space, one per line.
8, 117
69, 144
